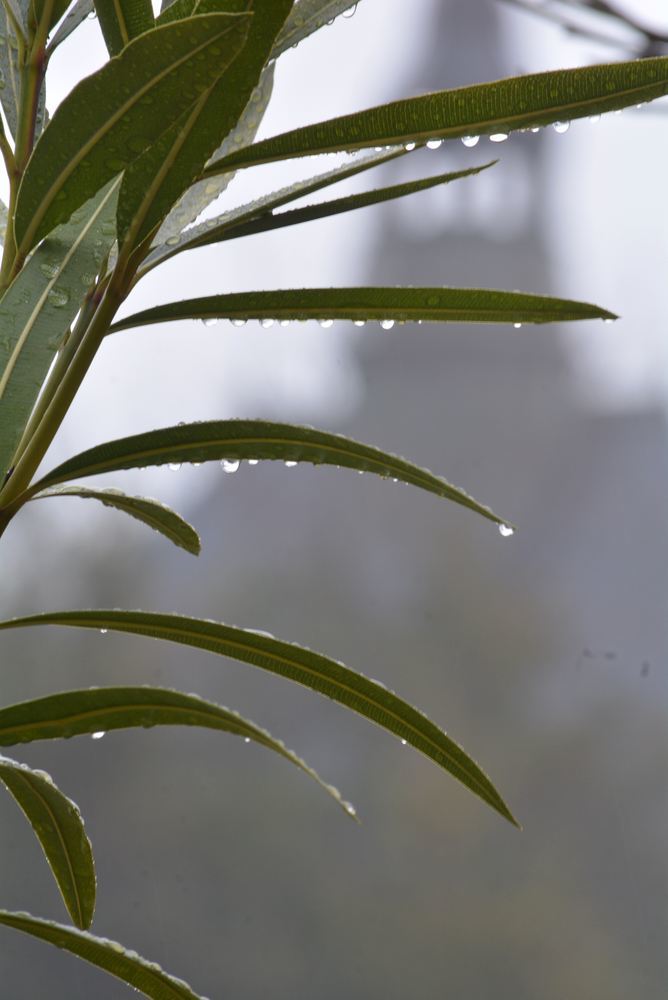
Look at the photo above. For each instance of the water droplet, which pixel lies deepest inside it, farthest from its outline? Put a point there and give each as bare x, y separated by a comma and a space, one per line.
561, 127
470, 140
350, 808
230, 464
498, 137
211, 321
49, 270
517, 326
409, 147
253, 461
359, 322
238, 322
326, 323
247, 739
434, 143
608, 321
174, 466
290, 465
404, 743
284, 322
266, 323
103, 631
98, 735
58, 297
387, 324
506, 530
535, 129
350, 12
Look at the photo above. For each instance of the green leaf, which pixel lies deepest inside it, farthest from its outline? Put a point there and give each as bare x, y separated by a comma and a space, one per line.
306, 17
38, 307
99, 710
503, 106
147, 977
200, 195
59, 828
111, 117
403, 305
11, 72
323, 210
123, 20
156, 180
313, 670
49, 10
151, 512
174, 240
18, 9
238, 440
75, 16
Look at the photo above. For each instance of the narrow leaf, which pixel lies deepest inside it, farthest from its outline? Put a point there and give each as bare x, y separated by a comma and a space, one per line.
123, 20
174, 240
38, 307
239, 440
18, 9
11, 72
403, 305
146, 977
313, 670
503, 106
59, 828
49, 11
306, 17
151, 512
75, 16
156, 180
111, 117
99, 710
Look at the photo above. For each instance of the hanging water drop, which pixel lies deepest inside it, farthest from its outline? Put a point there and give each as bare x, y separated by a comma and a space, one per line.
506, 531
387, 324
404, 743
290, 464
238, 322
253, 461
535, 129
174, 466
608, 321
561, 127
517, 326
247, 739
103, 631
230, 464
350, 12
98, 735
350, 808
409, 147
284, 322
470, 140
210, 321
434, 143
326, 323
594, 119
359, 322
266, 323
498, 137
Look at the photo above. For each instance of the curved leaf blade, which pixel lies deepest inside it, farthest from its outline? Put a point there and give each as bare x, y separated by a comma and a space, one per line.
112, 116
240, 440
306, 17
150, 512
502, 106
312, 670
58, 826
96, 710
123, 20
112, 957
76, 16
38, 307
403, 305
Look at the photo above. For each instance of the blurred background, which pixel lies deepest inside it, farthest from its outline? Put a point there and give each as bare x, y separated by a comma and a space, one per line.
544, 654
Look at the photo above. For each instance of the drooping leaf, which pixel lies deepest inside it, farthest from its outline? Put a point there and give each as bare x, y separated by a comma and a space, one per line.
59, 828
239, 440
402, 305
151, 512
75, 16
306, 17
174, 240
123, 20
99, 710
313, 670
503, 106
112, 116
156, 180
112, 957
38, 307
200, 194
323, 210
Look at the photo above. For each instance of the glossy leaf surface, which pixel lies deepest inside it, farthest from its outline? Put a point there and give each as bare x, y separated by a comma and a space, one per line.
146, 977
98, 710
38, 307
112, 116
239, 440
306, 17
123, 20
503, 106
59, 828
151, 512
313, 670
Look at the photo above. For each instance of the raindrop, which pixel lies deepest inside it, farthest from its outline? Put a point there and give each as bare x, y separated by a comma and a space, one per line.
253, 461
211, 321
326, 323
98, 735
49, 270
284, 322
387, 324
498, 137
350, 808
404, 743
247, 739
434, 143
230, 464
350, 12
506, 530
238, 322
174, 466
561, 127
409, 147
535, 129
103, 631
359, 322
608, 321
470, 140
266, 323
290, 465
58, 297
517, 326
